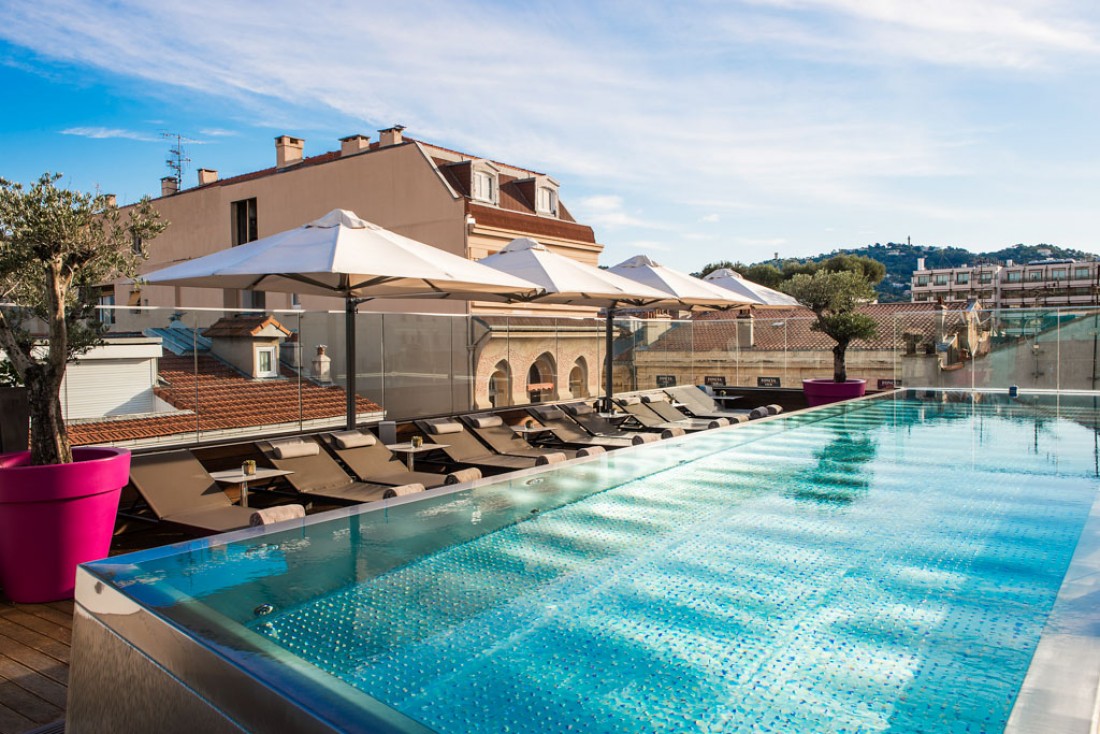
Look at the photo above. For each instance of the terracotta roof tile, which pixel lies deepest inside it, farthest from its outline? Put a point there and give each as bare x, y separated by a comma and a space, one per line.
220, 398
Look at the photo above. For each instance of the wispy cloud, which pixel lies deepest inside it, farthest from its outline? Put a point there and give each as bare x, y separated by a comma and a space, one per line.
109, 133
217, 132
710, 218
610, 211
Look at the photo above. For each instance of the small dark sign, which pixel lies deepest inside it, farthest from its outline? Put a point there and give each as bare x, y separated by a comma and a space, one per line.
666, 380
767, 382
888, 384
714, 381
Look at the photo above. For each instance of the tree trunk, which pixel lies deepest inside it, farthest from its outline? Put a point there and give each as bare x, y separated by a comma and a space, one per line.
840, 370
49, 437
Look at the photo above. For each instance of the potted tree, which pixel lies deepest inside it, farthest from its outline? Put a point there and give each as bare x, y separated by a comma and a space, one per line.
58, 247
833, 296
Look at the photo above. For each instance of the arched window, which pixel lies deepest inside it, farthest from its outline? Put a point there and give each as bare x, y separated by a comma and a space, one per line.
578, 378
500, 385
540, 379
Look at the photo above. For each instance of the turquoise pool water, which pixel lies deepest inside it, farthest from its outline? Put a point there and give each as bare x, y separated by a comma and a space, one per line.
887, 566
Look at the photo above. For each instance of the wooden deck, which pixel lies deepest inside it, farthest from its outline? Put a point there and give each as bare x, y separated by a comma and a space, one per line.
34, 664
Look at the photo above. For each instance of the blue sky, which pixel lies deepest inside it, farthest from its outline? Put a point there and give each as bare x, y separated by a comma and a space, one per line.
691, 132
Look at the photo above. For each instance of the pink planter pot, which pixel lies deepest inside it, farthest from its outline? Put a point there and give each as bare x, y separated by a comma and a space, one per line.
823, 392
54, 517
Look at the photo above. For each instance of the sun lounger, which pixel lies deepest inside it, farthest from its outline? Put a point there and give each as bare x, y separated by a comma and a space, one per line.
462, 447
702, 405
492, 431
588, 419
316, 474
645, 411
568, 431
178, 489
370, 461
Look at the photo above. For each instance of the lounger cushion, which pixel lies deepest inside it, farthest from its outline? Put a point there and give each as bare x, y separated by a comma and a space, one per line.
631, 400
468, 474
487, 421
554, 458
645, 438
673, 432
294, 448
401, 491
774, 408
718, 423
591, 451
654, 399
759, 412
272, 515
443, 427
579, 409
353, 439
549, 414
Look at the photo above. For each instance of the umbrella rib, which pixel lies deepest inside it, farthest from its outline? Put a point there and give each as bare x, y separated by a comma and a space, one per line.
304, 279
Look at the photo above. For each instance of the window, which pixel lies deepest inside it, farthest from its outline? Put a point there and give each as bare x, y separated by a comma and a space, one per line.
1081, 273
1014, 276
985, 277
546, 200
1059, 273
922, 280
941, 279
136, 244
483, 186
107, 299
962, 278
265, 362
1034, 276
243, 215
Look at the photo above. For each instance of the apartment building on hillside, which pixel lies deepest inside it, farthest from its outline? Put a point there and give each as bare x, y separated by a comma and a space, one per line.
1042, 283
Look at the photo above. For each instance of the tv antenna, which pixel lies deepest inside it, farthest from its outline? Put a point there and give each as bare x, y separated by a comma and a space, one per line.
177, 157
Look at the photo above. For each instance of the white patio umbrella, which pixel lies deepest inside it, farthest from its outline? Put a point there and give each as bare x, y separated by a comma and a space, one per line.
688, 290
758, 295
566, 281
343, 255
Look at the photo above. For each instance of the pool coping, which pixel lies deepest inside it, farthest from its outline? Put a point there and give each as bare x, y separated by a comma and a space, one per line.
1061, 691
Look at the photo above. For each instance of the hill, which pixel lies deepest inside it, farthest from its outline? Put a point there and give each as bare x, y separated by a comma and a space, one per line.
901, 260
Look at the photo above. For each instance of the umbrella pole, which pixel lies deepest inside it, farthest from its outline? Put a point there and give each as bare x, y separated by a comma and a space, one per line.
609, 387
350, 305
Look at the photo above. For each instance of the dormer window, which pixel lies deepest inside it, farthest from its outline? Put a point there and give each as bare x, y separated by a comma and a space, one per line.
546, 201
483, 186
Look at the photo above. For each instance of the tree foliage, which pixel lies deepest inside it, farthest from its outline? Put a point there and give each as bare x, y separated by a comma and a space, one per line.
58, 247
834, 296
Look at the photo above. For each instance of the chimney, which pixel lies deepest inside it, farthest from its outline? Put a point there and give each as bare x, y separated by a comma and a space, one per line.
112, 200
321, 369
920, 263
207, 176
390, 136
288, 151
353, 144
169, 185
1008, 263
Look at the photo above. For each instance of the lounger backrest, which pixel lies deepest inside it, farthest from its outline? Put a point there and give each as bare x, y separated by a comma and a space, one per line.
586, 416
366, 460
662, 407
175, 482
498, 436
694, 398
642, 412
563, 427
314, 472
462, 445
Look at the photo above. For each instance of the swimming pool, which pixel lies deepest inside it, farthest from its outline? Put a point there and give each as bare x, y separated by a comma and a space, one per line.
883, 565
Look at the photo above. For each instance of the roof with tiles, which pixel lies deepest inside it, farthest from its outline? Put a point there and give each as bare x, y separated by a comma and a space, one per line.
789, 328
243, 325
220, 398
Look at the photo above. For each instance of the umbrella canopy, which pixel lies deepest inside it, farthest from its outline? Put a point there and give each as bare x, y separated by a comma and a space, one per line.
688, 290
563, 280
343, 255
758, 295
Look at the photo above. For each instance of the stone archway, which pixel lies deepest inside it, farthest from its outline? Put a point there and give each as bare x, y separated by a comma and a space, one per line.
500, 385
542, 383
578, 379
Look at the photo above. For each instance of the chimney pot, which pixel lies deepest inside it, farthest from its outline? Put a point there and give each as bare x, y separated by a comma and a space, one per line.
207, 176
390, 136
112, 200
169, 185
288, 151
353, 144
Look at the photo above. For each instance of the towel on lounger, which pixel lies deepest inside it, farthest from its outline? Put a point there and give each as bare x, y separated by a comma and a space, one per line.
280, 513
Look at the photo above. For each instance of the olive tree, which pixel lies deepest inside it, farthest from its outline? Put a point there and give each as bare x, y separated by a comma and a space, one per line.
58, 247
834, 298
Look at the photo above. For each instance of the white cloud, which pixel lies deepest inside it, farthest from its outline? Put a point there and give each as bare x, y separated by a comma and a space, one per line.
217, 132
109, 133
710, 218
609, 211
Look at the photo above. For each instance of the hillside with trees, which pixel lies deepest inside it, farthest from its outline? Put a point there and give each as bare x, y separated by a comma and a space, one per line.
899, 260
